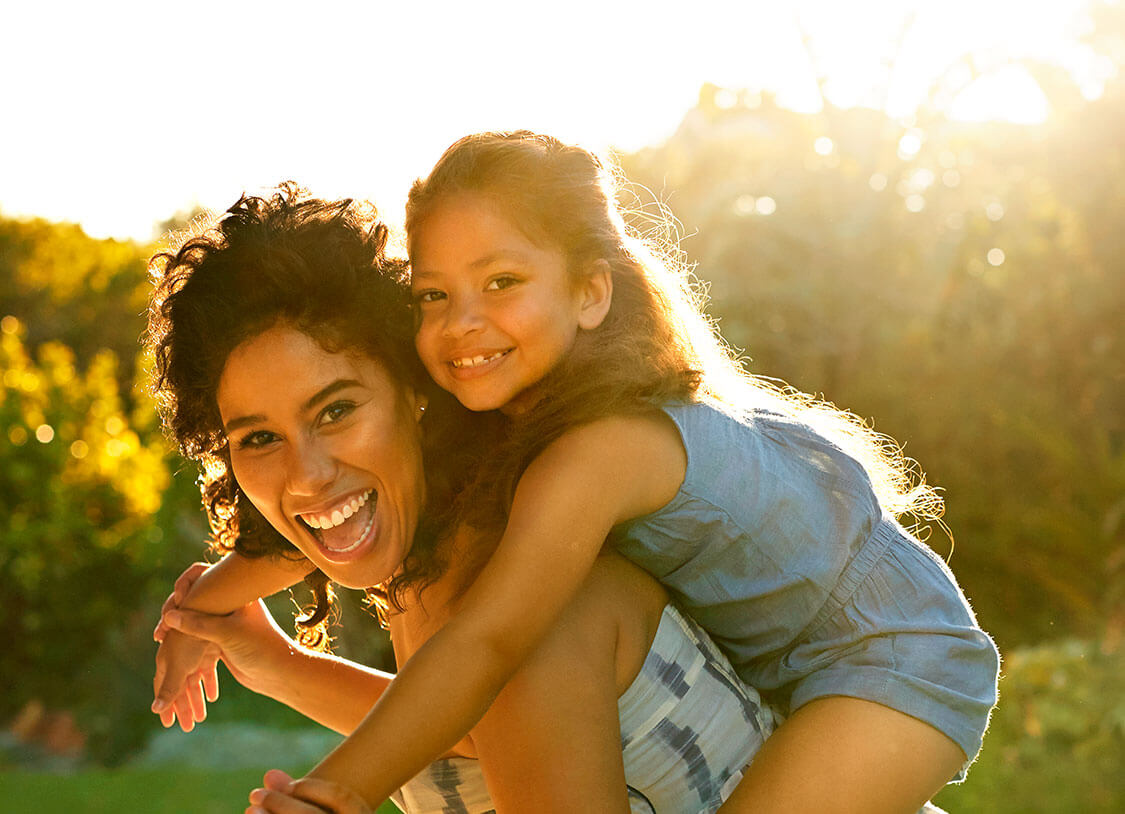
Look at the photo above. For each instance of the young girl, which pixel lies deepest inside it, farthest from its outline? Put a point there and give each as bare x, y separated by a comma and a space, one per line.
769, 516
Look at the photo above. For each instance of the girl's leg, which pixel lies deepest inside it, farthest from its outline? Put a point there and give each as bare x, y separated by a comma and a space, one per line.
841, 754
551, 740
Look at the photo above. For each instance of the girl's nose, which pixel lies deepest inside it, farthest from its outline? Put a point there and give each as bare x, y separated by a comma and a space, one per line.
310, 470
462, 317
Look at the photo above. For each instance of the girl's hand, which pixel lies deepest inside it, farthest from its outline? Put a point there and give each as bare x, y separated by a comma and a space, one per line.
284, 795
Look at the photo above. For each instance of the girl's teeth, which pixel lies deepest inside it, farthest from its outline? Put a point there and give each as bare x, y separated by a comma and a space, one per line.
476, 360
337, 517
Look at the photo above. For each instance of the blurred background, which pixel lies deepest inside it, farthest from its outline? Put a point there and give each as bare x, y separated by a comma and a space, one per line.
914, 208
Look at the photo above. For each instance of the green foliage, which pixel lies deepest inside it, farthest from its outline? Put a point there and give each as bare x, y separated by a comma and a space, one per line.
81, 549
1057, 739
68, 287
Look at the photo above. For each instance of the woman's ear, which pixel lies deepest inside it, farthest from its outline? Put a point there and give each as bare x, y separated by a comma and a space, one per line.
595, 294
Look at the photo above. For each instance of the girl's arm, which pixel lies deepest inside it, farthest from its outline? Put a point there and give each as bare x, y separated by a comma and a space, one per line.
565, 505
223, 588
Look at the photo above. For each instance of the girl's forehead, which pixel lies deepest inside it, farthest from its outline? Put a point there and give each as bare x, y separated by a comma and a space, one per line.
472, 221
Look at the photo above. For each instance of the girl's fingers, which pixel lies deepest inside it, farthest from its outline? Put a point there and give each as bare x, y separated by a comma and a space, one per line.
284, 795
278, 802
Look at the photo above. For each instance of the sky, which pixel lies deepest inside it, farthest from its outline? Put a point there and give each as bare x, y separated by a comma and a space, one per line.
119, 114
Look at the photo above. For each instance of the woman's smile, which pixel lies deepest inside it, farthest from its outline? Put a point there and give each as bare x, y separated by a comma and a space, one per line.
327, 447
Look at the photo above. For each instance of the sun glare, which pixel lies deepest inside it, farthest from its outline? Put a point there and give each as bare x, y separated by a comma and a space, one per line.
385, 114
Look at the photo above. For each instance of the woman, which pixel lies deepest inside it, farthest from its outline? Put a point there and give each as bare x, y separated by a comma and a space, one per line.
285, 364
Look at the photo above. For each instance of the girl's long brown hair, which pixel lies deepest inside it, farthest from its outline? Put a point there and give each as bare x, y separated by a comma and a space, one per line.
655, 346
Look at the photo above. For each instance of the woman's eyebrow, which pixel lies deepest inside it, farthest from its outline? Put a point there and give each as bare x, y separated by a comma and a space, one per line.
319, 396
242, 421
325, 392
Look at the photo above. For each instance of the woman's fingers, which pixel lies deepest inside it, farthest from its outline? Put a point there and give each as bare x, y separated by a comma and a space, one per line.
185, 580
196, 701
182, 707
180, 589
210, 679
200, 625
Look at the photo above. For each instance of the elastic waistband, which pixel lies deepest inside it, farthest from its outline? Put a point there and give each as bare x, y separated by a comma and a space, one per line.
886, 531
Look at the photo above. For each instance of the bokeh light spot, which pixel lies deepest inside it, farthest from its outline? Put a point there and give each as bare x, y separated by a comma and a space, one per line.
114, 425
995, 256
79, 449
725, 99
994, 211
877, 182
765, 205
115, 447
44, 433
915, 202
823, 145
17, 435
744, 205
909, 145
9, 325
951, 178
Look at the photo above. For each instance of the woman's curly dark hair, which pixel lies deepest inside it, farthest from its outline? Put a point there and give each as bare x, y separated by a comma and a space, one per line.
319, 266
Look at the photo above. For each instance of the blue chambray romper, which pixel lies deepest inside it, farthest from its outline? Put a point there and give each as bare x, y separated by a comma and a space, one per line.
777, 546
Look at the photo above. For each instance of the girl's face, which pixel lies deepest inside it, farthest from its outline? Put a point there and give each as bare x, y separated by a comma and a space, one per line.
327, 447
497, 311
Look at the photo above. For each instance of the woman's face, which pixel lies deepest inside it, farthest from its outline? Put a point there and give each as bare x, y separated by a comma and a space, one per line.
327, 447
497, 311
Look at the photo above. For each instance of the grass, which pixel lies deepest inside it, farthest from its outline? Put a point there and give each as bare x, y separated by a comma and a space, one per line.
112, 791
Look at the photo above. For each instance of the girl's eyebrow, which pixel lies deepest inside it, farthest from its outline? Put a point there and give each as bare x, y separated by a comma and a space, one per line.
497, 256
320, 395
510, 255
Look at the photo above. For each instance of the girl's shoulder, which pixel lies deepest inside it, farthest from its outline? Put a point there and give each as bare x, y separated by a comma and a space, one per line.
640, 453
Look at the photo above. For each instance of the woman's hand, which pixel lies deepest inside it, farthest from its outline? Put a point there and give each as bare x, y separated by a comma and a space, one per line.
284, 795
185, 678
248, 641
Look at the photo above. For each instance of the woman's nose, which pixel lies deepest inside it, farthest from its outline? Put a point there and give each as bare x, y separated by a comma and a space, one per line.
310, 470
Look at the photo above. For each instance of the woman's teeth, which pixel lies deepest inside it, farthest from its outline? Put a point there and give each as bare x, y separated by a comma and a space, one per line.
338, 516
474, 361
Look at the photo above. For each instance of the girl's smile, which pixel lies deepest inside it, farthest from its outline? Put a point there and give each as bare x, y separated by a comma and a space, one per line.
496, 311
326, 447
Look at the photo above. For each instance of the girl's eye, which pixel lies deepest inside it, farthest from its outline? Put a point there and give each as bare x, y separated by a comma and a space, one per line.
427, 295
256, 440
336, 411
500, 283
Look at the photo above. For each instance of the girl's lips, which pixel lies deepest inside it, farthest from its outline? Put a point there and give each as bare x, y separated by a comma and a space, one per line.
473, 367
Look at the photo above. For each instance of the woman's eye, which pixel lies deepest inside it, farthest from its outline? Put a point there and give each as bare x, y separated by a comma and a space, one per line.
500, 283
336, 411
426, 295
256, 439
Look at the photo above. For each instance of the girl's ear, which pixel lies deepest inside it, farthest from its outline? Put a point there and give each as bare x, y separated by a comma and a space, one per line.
595, 294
